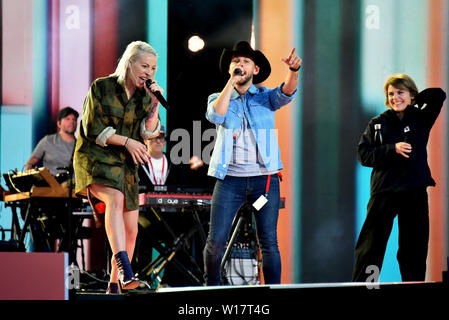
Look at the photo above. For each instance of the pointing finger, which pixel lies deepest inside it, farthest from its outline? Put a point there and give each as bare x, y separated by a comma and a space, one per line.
291, 54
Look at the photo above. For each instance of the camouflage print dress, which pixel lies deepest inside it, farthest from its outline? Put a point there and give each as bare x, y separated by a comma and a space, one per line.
107, 105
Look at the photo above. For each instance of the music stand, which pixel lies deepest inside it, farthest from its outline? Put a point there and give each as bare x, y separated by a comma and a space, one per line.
22, 186
36, 183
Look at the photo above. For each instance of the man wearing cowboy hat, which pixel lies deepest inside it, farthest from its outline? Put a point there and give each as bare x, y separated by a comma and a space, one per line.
246, 158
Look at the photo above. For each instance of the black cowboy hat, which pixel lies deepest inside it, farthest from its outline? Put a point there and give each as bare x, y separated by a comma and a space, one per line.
243, 48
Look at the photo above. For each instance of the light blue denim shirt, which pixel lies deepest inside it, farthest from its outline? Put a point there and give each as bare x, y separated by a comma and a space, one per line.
259, 104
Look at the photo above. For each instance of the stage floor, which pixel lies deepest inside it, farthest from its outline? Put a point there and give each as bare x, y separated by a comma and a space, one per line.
282, 301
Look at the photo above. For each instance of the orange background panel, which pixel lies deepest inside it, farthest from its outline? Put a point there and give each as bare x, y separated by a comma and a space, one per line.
437, 144
275, 42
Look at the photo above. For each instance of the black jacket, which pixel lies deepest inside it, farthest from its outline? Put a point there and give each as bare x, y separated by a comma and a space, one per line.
391, 171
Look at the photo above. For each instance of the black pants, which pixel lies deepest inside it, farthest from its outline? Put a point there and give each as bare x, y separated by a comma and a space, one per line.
412, 209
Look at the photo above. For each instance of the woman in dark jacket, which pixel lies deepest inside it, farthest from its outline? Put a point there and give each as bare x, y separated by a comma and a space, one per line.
394, 145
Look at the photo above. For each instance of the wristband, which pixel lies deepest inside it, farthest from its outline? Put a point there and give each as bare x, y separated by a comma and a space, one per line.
126, 142
295, 70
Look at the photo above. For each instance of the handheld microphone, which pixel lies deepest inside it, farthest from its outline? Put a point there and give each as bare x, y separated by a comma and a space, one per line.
378, 134
237, 71
157, 94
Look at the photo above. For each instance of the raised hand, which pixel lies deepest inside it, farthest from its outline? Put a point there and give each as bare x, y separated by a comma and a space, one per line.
293, 61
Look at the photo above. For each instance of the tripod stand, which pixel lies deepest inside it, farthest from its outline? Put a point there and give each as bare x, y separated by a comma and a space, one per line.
170, 252
242, 224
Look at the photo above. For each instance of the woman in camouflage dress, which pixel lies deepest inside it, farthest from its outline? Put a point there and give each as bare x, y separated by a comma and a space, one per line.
119, 112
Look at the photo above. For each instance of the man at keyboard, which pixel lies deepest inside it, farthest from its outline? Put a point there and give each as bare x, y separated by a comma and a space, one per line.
56, 150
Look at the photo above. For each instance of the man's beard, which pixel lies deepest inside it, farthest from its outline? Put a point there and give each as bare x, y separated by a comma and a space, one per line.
248, 78
71, 132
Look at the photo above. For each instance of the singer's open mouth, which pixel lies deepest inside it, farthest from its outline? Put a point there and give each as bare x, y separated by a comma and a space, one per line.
142, 80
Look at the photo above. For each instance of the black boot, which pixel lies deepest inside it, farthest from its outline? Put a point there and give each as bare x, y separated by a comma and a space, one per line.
113, 288
125, 275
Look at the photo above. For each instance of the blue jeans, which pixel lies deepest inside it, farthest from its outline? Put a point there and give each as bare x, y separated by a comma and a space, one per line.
229, 195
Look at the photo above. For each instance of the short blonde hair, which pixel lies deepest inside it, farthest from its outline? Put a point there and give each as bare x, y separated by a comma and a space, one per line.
132, 52
400, 81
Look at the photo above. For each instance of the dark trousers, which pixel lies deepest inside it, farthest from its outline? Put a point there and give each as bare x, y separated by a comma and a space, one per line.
229, 195
412, 209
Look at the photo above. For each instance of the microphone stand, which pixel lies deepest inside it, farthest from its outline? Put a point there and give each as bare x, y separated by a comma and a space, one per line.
69, 220
70, 174
71, 247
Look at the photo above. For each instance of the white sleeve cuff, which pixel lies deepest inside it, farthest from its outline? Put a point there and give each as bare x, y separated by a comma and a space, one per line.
146, 134
104, 136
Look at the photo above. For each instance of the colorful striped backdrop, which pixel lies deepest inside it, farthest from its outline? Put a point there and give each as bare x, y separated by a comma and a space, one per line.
348, 48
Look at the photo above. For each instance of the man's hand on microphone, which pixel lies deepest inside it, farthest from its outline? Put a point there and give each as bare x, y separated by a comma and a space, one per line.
236, 75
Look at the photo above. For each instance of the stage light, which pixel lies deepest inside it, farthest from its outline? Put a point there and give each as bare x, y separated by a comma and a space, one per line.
253, 38
195, 43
